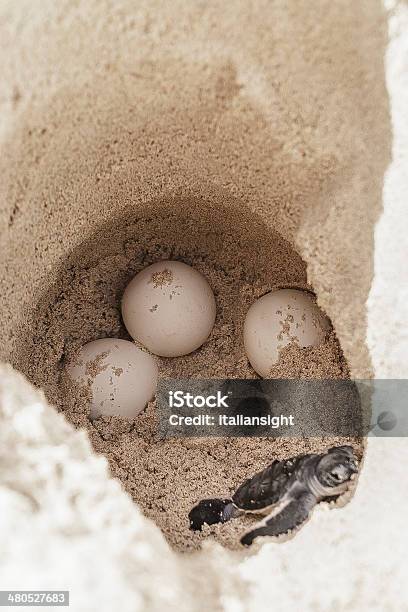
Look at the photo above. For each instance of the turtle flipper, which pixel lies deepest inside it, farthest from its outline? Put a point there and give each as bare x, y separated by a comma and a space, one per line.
292, 515
211, 511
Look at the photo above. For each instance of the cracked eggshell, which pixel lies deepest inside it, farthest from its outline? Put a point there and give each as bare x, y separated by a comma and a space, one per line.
169, 308
278, 318
122, 378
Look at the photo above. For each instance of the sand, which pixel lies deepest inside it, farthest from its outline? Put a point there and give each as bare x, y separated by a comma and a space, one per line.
187, 139
166, 478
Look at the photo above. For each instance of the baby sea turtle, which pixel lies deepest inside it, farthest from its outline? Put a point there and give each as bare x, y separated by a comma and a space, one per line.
285, 493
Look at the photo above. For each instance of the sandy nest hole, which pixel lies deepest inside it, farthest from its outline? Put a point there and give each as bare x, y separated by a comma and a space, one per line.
242, 259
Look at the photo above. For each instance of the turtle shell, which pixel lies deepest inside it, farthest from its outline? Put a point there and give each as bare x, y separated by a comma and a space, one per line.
269, 486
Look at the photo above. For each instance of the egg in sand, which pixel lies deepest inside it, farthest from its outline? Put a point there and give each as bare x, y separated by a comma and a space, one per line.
121, 377
277, 319
169, 308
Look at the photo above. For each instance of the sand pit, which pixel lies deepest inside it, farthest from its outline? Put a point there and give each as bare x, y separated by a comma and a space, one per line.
231, 153
242, 259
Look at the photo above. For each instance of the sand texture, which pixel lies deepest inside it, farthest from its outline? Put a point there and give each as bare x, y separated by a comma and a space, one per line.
303, 84
261, 108
242, 260
229, 138
226, 160
111, 110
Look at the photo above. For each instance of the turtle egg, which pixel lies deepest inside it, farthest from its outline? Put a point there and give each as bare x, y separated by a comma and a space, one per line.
278, 318
169, 308
121, 377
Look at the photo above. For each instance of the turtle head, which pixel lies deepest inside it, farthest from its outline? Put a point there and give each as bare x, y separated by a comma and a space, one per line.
337, 466
209, 511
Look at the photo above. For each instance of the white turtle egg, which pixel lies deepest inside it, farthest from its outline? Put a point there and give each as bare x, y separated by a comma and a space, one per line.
169, 308
278, 318
122, 378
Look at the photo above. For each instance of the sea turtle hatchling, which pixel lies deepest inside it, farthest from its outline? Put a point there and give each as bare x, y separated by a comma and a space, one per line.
285, 493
